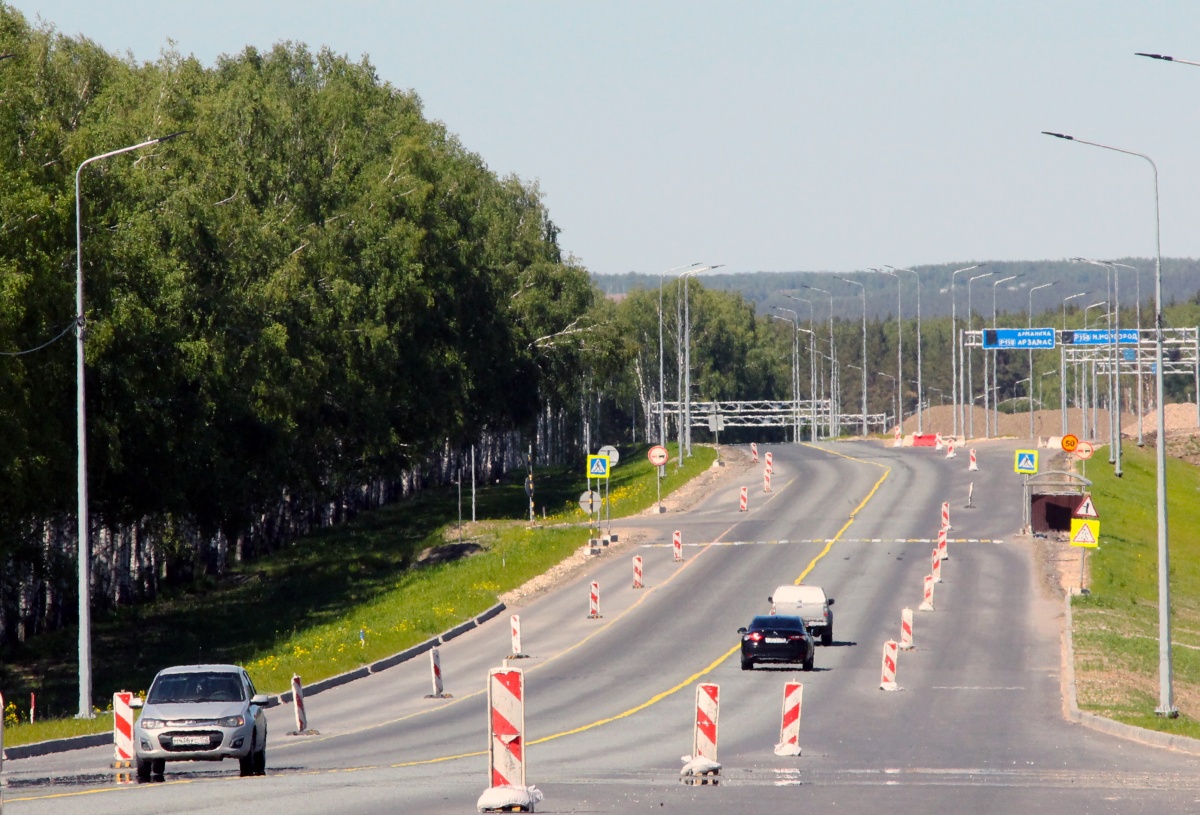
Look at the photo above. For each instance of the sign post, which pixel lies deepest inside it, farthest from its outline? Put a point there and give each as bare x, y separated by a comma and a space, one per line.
613, 457
658, 457
1085, 533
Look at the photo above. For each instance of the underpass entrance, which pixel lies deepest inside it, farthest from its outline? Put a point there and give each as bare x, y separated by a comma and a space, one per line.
1051, 499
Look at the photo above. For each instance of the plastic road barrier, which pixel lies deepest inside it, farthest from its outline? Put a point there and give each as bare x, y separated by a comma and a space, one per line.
936, 571
754, 452
943, 554
769, 463
789, 731
704, 738
974, 465
298, 704
899, 440
122, 728
937, 441
506, 727
946, 515
637, 571
766, 480
950, 451
906, 630
594, 601
515, 621
677, 544
927, 603
742, 501
888, 682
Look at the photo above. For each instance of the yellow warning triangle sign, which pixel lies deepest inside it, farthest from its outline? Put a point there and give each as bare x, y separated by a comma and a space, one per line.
1084, 536
1086, 509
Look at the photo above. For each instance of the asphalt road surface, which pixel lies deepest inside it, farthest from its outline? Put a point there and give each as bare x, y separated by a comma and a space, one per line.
978, 726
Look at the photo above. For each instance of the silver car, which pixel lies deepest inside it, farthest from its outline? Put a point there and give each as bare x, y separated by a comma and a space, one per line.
201, 713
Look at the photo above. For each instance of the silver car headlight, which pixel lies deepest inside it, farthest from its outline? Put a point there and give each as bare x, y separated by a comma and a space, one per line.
231, 721
151, 724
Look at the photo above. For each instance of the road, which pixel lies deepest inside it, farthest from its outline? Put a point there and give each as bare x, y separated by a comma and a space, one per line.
977, 726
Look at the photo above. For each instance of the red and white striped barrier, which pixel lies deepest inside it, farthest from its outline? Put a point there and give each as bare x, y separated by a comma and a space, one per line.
677, 545
789, 731
594, 601
122, 728
743, 501
946, 515
938, 444
515, 624
927, 603
766, 480
506, 727
435, 672
974, 465
942, 552
936, 571
704, 738
754, 452
637, 571
890, 652
898, 441
298, 705
950, 450
770, 465
906, 630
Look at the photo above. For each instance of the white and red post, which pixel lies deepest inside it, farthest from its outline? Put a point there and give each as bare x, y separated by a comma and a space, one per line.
943, 554
637, 571
936, 570
754, 452
506, 727
927, 603
515, 623
767, 480
938, 444
435, 671
677, 545
946, 515
789, 730
950, 450
974, 465
743, 500
122, 728
594, 601
906, 630
770, 467
298, 705
899, 440
704, 738
890, 652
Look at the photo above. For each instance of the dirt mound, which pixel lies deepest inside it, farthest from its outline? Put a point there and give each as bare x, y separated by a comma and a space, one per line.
1179, 418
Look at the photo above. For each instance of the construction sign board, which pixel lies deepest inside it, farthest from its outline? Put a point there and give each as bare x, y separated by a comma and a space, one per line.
1026, 462
1085, 532
1087, 509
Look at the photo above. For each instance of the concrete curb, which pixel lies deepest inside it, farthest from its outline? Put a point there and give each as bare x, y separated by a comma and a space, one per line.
1141, 735
44, 748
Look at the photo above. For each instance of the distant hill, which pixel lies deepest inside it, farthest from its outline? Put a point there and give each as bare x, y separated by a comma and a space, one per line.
1181, 282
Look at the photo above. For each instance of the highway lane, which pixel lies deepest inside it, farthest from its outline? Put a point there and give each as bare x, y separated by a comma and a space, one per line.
979, 722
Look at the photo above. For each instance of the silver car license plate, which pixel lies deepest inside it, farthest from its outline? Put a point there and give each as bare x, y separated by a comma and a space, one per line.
191, 741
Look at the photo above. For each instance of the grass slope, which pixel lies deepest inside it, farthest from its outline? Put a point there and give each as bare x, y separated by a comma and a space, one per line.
301, 610
1116, 626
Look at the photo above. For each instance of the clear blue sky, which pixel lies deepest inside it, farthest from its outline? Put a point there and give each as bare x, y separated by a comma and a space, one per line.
774, 136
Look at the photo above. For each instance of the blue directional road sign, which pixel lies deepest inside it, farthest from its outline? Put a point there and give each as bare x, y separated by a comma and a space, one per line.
1018, 338
1099, 336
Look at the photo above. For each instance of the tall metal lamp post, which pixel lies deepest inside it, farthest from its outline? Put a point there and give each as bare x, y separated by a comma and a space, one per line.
834, 385
1166, 700
995, 364
920, 414
864, 350
85, 544
662, 398
1062, 364
1031, 291
956, 397
970, 401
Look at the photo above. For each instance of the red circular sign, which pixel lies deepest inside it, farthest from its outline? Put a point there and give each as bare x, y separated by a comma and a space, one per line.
658, 455
1070, 442
1084, 450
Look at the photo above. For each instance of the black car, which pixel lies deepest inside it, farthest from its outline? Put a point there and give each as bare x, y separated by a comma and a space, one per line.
776, 638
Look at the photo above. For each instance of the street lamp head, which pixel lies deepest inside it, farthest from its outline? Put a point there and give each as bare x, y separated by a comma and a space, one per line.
171, 136
1058, 135
1163, 57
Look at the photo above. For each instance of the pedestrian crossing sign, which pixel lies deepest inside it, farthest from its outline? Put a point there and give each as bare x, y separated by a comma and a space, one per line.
1085, 532
1027, 462
597, 466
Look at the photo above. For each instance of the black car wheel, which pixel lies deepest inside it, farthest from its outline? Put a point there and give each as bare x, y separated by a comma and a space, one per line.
260, 761
159, 766
246, 762
808, 663
827, 635
144, 768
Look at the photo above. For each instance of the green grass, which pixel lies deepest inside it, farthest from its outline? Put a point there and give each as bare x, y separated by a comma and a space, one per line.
1116, 626
301, 610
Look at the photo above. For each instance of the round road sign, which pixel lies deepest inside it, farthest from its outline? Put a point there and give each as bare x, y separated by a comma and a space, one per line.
658, 455
589, 501
613, 456
1084, 450
1070, 442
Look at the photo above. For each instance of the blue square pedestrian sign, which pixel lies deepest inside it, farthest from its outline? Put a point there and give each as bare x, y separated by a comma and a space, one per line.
597, 466
1026, 462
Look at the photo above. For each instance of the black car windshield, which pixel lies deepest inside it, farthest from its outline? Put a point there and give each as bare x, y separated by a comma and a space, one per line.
201, 686
777, 623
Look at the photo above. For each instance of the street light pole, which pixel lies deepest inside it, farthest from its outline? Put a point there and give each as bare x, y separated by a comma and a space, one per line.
795, 370
899, 377
1086, 309
995, 366
1114, 364
955, 356
1031, 291
834, 402
895, 396
864, 351
920, 424
84, 543
812, 367
1137, 279
1062, 365
971, 368
662, 397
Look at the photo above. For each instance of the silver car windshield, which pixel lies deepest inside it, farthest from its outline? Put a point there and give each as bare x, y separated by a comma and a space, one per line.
201, 686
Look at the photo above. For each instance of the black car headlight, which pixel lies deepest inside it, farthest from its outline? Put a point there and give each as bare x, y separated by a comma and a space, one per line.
231, 721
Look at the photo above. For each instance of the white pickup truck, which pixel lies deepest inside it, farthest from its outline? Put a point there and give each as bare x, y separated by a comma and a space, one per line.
810, 604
